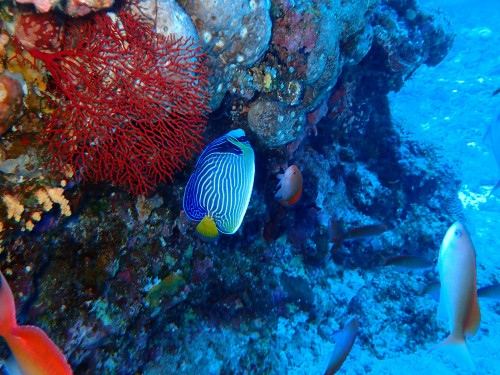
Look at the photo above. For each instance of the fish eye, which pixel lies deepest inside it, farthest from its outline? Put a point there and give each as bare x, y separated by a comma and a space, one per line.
458, 233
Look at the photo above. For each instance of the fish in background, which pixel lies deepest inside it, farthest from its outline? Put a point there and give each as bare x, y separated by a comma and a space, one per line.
408, 263
493, 133
489, 292
344, 342
290, 186
33, 351
218, 192
338, 234
458, 295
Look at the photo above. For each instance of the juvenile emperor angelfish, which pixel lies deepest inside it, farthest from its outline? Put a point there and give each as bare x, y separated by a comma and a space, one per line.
218, 191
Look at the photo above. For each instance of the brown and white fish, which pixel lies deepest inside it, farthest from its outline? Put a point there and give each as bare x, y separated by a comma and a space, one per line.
458, 294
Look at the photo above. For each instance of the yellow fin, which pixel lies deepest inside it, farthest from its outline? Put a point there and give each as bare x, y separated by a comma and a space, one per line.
207, 230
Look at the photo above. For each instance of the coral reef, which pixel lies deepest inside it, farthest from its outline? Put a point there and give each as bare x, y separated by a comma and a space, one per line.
235, 35
71, 7
11, 96
136, 136
122, 284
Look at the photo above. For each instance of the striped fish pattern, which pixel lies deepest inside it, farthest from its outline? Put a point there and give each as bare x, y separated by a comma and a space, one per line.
222, 182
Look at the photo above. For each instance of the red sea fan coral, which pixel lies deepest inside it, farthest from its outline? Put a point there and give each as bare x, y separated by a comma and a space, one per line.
131, 103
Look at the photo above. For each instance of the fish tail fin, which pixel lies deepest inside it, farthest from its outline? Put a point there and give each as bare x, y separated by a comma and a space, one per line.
42, 349
7, 308
456, 348
207, 230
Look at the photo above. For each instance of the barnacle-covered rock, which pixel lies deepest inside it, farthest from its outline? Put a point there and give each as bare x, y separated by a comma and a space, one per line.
71, 7
169, 18
40, 31
274, 123
311, 43
11, 98
83, 7
235, 35
409, 36
41, 5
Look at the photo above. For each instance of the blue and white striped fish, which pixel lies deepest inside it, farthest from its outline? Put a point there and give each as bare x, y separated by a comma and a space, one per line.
218, 191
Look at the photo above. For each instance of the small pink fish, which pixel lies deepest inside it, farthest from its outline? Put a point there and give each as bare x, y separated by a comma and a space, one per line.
290, 186
33, 351
458, 295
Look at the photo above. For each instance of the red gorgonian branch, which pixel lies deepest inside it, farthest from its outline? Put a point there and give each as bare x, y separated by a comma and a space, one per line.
131, 103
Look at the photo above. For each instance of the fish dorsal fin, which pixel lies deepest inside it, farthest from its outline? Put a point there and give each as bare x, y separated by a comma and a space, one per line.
474, 317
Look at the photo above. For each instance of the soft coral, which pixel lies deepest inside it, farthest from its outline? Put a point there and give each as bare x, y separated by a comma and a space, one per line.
130, 102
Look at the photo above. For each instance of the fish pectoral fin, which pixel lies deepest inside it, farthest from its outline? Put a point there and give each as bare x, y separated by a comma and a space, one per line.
207, 230
39, 350
278, 195
473, 319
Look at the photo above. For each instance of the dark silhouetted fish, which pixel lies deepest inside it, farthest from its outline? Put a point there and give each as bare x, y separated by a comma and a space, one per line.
489, 292
493, 133
338, 235
408, 262
344, 342
433, 290
486, 292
